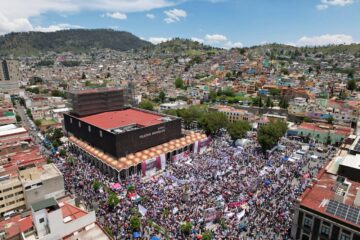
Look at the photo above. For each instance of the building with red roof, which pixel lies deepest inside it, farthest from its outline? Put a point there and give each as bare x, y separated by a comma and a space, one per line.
330, 207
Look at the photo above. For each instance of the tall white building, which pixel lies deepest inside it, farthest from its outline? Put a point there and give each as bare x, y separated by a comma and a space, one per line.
9, 76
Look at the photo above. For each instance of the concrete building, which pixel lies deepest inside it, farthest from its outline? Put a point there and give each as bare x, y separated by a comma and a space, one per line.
30, 186
330, 207
234, 114
173, 105
51, 219
9, 76
42, 182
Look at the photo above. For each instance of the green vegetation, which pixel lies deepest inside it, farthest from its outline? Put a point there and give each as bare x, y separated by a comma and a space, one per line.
147, 105
96, 184
18, 118
352, 85
74, 40
207, 236
113, 199
135, 223
186, 228
179, 83
58, 93
238, 129
212, 122
270, 133
283, 103
37, 122
45, 63
34, 90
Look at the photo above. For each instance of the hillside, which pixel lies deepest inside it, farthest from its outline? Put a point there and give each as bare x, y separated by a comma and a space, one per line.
75, 40
180, 46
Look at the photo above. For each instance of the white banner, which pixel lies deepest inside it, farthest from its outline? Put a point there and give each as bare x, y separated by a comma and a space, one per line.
142, 210
163, 161
196, 147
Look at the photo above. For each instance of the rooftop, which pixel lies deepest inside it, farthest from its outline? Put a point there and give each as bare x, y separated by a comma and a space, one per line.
318, 197
47, 203
121, 118
40, 172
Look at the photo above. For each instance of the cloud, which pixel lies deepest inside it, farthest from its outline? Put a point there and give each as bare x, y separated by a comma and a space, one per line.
197, 39
324, 4
116, 15
55, 27
325, 40
150, 16
157, 40
15, 14
230, 44
215, 38
174, 15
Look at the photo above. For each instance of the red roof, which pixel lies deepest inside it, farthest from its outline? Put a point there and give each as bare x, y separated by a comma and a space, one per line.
322, 191
72, 211
120, 118
15, 225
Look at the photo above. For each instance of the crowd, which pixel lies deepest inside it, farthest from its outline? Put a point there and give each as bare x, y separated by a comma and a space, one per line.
232, 192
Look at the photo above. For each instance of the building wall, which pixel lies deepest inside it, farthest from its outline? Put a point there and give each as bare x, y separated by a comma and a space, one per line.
128, 142
96, 102
11, 195
321, 136
53, 187
308, 225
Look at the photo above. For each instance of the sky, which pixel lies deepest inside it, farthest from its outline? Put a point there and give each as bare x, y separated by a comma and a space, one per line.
220, 23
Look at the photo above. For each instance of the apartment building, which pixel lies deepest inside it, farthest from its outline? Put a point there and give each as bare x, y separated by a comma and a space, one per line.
30, 186
330, 208
9, 76
234, 114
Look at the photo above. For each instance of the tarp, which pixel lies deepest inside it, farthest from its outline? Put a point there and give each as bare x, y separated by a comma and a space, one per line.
154, 238
115, 186
142, 210
136, 234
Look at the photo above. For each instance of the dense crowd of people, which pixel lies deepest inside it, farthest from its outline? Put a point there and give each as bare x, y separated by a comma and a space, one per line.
232, 192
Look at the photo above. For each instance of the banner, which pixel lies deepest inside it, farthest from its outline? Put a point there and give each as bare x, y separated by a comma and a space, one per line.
180, 156
212, 214
163, 161
142, 210
196, 147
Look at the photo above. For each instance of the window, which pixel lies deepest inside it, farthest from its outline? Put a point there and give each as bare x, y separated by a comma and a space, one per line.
7, 189
344, 236
71, 120
325, 230
41, 220
307, 222
100, 132
79, 124
89, 128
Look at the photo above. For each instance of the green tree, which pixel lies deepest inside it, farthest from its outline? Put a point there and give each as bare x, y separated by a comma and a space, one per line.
212, 96
351, 85
307, 119
18, 118
330, 119
179, 83
113, 200
135, 223
162, 96
238, 129
284, 71
207, 236
96, 184
270, 133
283, 103
62, 152
191, 114
83, 76
147, 105
186, 228
212, 122
268, 102
342, 95
37, 122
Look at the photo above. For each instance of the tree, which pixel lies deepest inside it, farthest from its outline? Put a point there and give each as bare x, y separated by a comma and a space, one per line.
147, 105
207, 236
192, 114
135, 223
268, 102
37, 122
162, 96
342, 95
179, 83
113, 200
212, 96
186, 228
285, 71
283, 103
330, 119
212, 122
62, 152
18, 118
96, 184
238, 129
351, 85
270, 133
83, 76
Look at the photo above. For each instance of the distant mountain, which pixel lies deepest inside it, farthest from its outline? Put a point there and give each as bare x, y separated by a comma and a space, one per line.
75, 40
